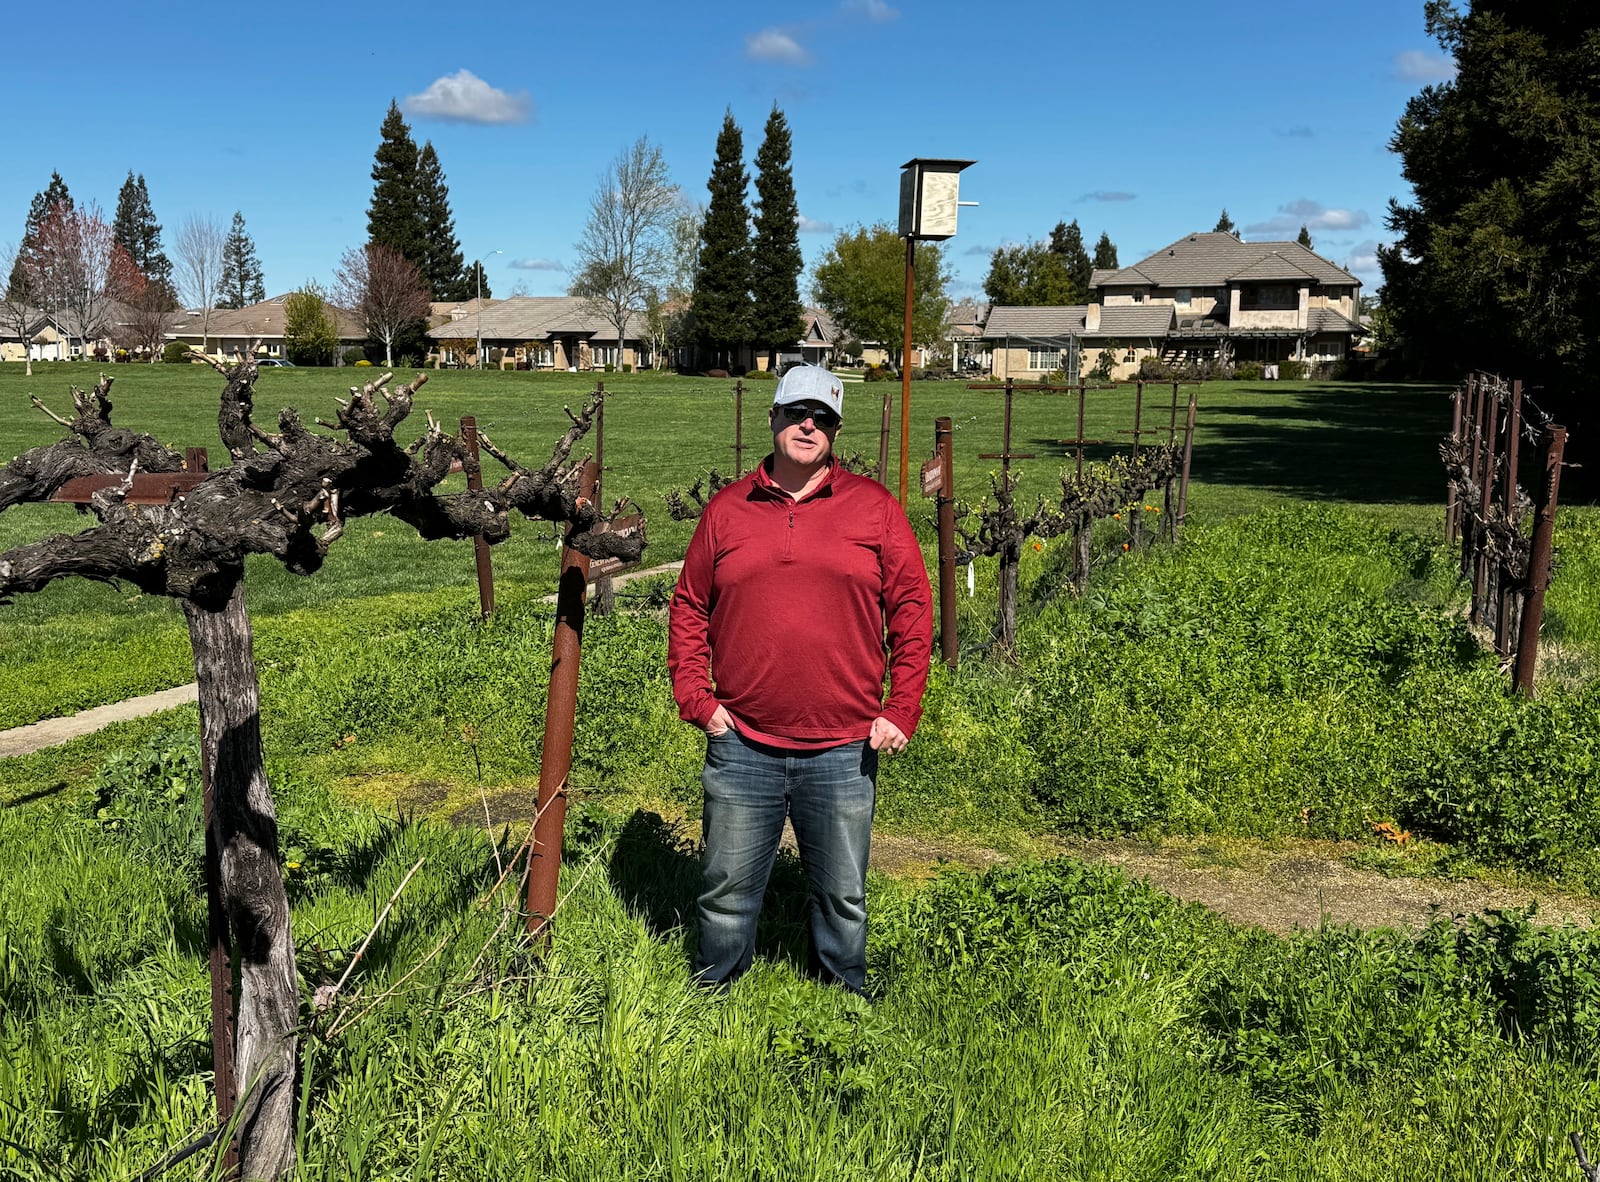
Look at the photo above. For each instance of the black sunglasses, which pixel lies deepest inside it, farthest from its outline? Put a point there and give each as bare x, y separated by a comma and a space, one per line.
799, 412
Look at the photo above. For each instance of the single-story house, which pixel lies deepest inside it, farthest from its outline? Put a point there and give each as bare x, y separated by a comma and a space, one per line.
545, 332
230, 332
1205, 297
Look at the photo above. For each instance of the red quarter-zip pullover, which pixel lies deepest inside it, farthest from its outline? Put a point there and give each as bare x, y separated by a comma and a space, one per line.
783, 608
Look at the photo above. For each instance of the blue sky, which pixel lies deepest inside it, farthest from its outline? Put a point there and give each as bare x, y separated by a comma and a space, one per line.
1141, 120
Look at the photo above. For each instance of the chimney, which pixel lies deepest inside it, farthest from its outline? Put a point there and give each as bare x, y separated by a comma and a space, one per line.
1091, 318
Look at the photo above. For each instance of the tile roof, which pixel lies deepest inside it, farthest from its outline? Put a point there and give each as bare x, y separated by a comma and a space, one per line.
1134, 320
265, 319
1036, 323
1330, 320
535, 318
1212, 259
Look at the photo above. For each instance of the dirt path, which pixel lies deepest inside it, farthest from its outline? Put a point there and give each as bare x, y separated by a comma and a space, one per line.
1281, 886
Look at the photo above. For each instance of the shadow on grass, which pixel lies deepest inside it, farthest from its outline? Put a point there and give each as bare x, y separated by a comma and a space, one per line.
655, 871
1358, 442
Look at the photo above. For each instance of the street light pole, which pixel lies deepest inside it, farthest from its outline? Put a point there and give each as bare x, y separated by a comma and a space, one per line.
477, 267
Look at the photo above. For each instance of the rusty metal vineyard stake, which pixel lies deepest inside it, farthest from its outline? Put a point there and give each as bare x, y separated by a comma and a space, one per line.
944, 448
1452, 507
738, 429
1544, 525
560, 717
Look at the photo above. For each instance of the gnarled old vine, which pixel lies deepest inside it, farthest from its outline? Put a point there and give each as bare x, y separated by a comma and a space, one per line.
287, 493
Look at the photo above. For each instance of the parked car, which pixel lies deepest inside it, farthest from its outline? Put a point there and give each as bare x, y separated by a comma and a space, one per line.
274, 363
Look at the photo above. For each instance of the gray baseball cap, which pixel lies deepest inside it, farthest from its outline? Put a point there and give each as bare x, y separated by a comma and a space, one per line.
811, 383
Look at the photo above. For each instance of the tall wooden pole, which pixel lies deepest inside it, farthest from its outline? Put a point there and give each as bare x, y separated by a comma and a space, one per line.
560, 718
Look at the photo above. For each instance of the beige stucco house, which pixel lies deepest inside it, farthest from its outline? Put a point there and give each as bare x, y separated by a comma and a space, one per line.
228, 333
543, 332
1205, 297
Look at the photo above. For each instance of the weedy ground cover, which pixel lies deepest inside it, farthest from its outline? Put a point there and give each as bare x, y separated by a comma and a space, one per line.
1298, 665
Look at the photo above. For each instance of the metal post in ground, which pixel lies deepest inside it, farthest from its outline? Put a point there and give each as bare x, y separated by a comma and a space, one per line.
480, 547
1473, 426
1544, 527
1480, 566
944, 450
1188, 454
560, 718
605, 591
738, 429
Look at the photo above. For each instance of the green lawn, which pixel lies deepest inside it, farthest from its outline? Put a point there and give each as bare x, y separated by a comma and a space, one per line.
79, 644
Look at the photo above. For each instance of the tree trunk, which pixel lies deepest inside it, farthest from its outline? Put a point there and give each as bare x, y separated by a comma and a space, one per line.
1010, 559
268, 1008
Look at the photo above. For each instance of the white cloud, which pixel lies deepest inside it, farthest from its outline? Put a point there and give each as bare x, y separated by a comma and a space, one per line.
1313, 216
774, 45
1108, 195
535, 265
813, 226
874, 10
1363, 259
466, 98
1416, 65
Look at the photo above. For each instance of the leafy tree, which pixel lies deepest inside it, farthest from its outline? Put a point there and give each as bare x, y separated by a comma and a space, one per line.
722, 275
242, 280
443, 268
1225, 225
475, 282
310, 333
135, 229
53, 196
1105, 253
777, 318
1029, 275
1067, 242
623, 258
1304, 238
861, 283
1496, 262
394, 218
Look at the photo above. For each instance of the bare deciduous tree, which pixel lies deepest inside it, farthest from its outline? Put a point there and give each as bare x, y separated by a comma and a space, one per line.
199, 249
385, 291
286, 494
18, 302
624, 255
80, 270
149, 311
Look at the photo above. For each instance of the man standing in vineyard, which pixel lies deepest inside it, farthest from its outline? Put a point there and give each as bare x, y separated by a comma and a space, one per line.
795, 577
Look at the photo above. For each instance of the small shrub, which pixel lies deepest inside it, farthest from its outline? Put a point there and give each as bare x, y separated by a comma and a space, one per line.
627, 367
175, 353
1292, 370
716, 373
760, 375
1247, 371
354, 355
608, 367
1104, 362
879, 373
1157, 370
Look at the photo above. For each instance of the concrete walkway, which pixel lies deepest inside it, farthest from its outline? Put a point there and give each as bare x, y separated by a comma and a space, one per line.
25, 740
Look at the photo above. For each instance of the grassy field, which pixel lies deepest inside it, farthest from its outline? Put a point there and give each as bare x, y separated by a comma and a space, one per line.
1297, 666
78, 644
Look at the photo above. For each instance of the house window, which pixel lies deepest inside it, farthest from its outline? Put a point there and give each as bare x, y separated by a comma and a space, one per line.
1044, 359
1269, 296
1184, 297
1138, 297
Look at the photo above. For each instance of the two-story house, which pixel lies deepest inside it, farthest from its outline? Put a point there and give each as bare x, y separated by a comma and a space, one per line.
1204, 297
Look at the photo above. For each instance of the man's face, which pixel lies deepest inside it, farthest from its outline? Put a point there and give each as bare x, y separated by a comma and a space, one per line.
798, 437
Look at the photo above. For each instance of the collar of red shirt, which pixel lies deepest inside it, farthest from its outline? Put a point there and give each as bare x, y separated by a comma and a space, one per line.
768, 487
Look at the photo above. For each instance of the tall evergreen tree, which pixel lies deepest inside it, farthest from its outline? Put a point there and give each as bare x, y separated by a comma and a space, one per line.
722, 276
135, 229
777, 318
394, 218
474, 282
1305, 238
1105, 253
1225, 225
1067, 241
52, 195
443, 270
242, 280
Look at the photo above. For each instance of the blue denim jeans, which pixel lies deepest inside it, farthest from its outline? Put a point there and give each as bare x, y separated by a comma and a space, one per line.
829, 797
